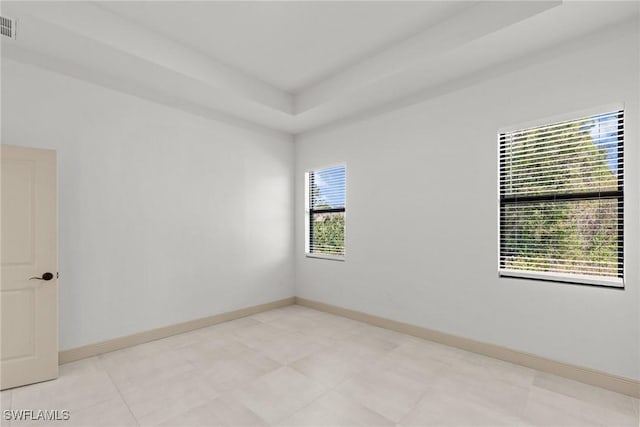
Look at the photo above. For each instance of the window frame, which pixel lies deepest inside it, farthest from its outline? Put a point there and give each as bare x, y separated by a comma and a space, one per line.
309, 212
618, 194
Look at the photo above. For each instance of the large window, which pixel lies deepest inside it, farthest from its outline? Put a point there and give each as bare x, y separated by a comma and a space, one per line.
562, 199
326, 212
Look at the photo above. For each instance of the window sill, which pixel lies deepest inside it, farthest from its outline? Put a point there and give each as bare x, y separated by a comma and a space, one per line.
578, 279
326, 256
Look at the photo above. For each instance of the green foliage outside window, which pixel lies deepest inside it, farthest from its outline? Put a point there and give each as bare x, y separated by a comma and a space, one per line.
328, 233
575, 236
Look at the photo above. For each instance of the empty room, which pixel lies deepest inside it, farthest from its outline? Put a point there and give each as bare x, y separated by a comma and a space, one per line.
320, 213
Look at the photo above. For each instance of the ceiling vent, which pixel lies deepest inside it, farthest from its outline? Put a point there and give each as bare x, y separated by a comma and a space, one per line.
8, 27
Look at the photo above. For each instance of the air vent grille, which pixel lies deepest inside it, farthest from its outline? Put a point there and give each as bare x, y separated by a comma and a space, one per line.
8, 27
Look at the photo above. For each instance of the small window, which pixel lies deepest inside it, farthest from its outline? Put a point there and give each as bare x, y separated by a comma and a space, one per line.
325, 190
562, 200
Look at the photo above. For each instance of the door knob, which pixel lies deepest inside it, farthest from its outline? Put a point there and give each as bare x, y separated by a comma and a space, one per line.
45, 276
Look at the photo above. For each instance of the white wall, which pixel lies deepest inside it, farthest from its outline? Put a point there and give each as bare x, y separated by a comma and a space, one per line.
421, 239
163, 216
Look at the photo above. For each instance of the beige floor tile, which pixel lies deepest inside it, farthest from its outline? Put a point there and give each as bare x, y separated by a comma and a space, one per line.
497, 369
223, 412
332, 366
279, 394
363, 337
417, 362
226, 374
5, 405
547, 408
256, 335
496, 385
577, 404
387, 335
431, 350
490, 393
366, 352
154, 401
224, 329
202, 354
604, 416
333, 409
436, 409
584, 392
111, 413
392, 392
340, 372
5, 399
128, 367
80, 385
288, 347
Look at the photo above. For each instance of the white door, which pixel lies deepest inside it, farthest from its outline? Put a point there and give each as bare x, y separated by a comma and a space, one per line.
29, 285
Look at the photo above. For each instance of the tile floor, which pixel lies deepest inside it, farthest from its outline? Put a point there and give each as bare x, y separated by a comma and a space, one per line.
300, 367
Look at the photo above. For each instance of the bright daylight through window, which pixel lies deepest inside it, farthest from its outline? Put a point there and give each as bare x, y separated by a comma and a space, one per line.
562, 199
325, 212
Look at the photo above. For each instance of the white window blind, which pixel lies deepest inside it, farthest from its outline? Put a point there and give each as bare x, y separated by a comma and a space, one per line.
562, 200
326, 207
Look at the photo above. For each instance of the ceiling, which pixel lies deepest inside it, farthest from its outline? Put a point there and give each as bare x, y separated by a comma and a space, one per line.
294, 66
286, 44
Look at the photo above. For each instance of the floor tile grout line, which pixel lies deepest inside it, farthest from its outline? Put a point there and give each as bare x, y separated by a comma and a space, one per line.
119, 392
334, 389
325, 392
304, 406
